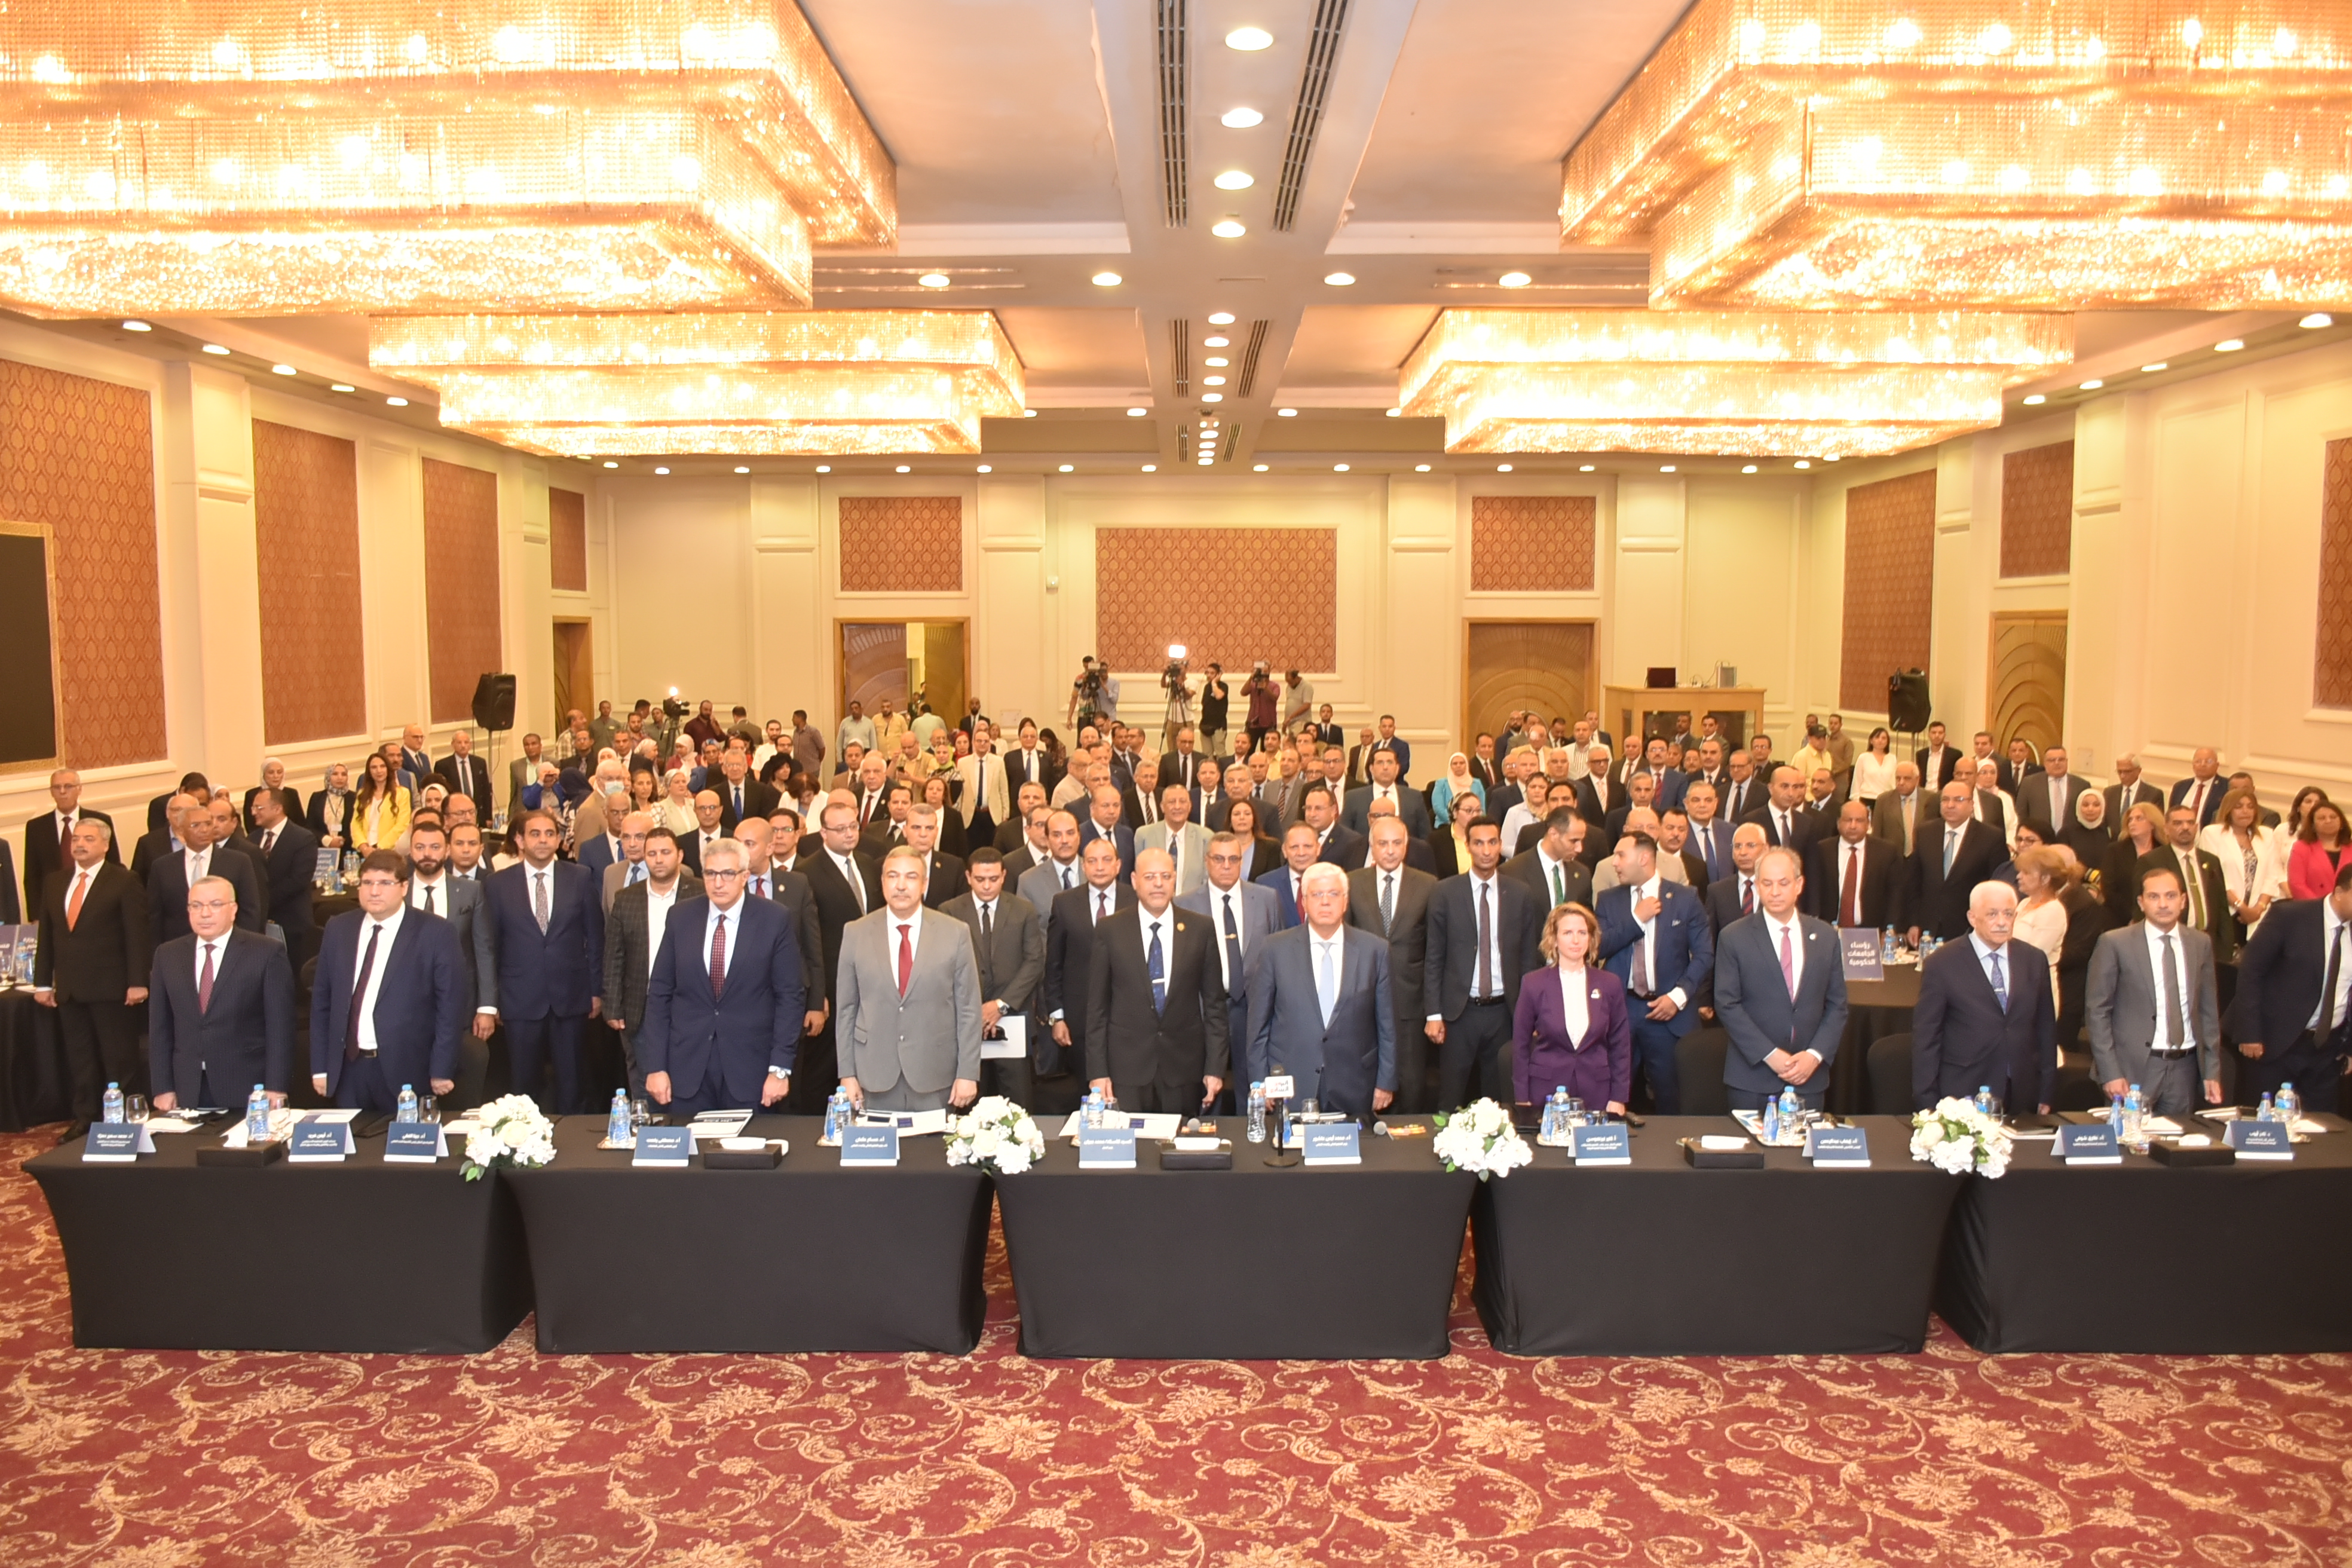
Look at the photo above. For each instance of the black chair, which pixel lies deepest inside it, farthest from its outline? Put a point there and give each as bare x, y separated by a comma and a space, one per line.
2078, 1094
1698, 1063
1890, 1075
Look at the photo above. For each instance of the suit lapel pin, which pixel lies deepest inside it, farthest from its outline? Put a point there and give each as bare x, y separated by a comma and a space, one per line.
1180, 925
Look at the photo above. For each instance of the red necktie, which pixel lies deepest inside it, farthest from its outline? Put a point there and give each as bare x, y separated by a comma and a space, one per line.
1850, 896
719, 959
205, 982
1747, 896
905, 960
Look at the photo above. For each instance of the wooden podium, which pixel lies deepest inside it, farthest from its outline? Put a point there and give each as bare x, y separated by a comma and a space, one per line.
1626, 710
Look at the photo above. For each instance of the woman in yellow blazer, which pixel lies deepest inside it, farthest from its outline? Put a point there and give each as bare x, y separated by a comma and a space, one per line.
379, 810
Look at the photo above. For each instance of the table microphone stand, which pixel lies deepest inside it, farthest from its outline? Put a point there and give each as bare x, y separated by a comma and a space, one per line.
1284, 1154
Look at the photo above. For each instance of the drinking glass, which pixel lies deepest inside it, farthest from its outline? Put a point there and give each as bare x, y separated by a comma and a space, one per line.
134, 1107
428, 1109
641, 1111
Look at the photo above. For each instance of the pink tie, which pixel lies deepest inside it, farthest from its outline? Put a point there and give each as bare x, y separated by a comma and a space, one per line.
1788, 964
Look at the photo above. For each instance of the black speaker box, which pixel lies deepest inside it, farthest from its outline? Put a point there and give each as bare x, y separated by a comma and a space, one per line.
494, 699
1906, 701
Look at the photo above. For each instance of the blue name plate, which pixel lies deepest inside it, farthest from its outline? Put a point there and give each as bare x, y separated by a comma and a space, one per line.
867, 1146
1864, 958
2253, 1140
2091, 1144
1106, 1149
669, 1146
117, 1142
1608, 1144
421, 1142
1829, 1147
318, 1141
1332, 1145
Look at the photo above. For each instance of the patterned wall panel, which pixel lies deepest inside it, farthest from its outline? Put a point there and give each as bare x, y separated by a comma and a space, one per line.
1890, 573
567, 540
306, 518
2037, 511
79, 455
1531, 544
1233, 594
461, 584
2026, 696
2331, 675
902, 544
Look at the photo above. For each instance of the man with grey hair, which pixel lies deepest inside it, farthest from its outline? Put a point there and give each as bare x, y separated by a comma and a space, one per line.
1321, 1008
1157, 1030
907, 1001
1985, 1016
724, 1005
942, 872
1779, 991
220, 1009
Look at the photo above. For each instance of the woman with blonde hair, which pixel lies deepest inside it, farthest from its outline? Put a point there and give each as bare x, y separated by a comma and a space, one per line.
2253, 857
674, 811
2143, 830
2044, 873
1571, 1028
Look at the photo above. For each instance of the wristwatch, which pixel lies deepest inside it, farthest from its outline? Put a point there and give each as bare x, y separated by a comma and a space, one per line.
775, 1071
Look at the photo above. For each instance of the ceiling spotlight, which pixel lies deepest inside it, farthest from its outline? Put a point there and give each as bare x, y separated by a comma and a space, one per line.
1802, 464
144, 327
2229, 345
1257, 468
2092, 385
395, 402
1287, 413
1220, 319
1584, 468
1502, 468
820, 468
1241, 119
1228, 228
342, 386
1515, 281
1338, 279
1150, 467
906, 468
1137, 412
1233, 180
1665, 468
1339, 467
1028, 414
1069, 467
215, 349
661, 471
1421, 467
1212, 398
1107, 279
1206, 461
1248, 39
1216, 361
1747, 468
1212, 381
2152, 369
283, 370
985, 469
741, 469
610, 464
2035, 400
1396, 413
1216, 342
2316, 319
933, 279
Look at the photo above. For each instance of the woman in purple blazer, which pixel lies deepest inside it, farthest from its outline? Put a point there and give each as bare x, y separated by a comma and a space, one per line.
1588, 1044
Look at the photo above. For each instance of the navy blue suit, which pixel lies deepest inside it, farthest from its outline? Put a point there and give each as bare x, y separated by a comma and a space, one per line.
596, 854
1122, 838
1279, 880
547, 979
718, 1049
1683, 960
2280, 978
422, 1009
1962, 1037
1712, 845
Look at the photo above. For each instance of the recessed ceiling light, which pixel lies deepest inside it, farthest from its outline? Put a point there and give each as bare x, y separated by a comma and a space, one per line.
1396, 413
1802, 464
1747, 468
661, 471
1206, 461
1069, 467
1216, 361
283, 370
906, 468
1150, 467
2316, 319
933, 279
1584, 468
1515, 279
2092, 385
1107, 279
1241, 119
1028, 414
820, 468
610, 464
144, 327
1250, 38
396, 402
741, 469
1502, 468
1228, 228
1212, 398
2034, 399
1233, 180
1212, 381
2152, 369
1220, 319
342, 386
1137, 412
1665, 468
985, 469
2229, 345
1421, 467
1287, 413
215, 349
1216, 342
1257, 468
1338, 279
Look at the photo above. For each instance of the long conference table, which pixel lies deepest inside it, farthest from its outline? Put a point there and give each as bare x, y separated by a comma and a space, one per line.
1256, 1262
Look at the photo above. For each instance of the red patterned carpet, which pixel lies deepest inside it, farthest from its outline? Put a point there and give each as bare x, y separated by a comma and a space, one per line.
320, 1461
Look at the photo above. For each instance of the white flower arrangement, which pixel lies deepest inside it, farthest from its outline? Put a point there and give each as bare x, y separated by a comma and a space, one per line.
1959, 1138
1479, 1137
997, 1134
511, 1132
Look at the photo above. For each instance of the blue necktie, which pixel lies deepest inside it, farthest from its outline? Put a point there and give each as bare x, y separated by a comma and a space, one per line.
1999, 981
1159, 972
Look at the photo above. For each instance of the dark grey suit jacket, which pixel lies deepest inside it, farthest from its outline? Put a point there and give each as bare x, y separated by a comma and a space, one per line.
1013, 960
459, 900
628, 948
1408, 936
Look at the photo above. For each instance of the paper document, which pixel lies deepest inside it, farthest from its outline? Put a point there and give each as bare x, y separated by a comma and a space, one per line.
726, 1124
1013, 1046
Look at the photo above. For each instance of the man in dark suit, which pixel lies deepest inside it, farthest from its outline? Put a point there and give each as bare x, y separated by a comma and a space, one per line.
547, 918
169, 876
1784, 823
1105, 819
739, 795
1322, 1005
159, 810
2202, 790
1733, 895
1599, 796
159, 842
1710, 837
1390, 899
1008, 941
220, 1009
1552, 867
1027, 761
723, 1005
1654, 936
1951, 859
93, 965
229, 835
2017, 766
2291, 1020
1937, 760
388, 1006
415, 766
2048, 799
48, 836
466, 773
1417, 852
1781, 1033
1411, 804
1334, 843
1071, 932
434, 889
2129, 790
847, 885
289, 858
943, 872
1181, 765
1484, 929
1856, 879
1157, 1031
1299, 852
768, 842
633, 930
1985, 1017
2208, 903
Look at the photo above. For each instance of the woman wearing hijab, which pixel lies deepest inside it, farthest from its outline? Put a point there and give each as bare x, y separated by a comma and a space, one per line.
1458, 781
273, 776
2090, 835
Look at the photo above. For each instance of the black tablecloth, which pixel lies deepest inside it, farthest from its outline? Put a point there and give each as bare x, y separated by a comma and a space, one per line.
805, 1257
1254, 1263
1661, 1258
2220, 1260
356, 1256
34, 1087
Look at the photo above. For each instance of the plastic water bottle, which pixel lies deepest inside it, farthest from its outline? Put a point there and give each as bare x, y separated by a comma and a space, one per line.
1793, 1110
1257, 1112
1886, 948
2135, 1118
1772, 1121
1984, 1099
617, 1131
404, 1110
256, 1115
111, 1106
2115, 1115
2267, 1111
2290, 1105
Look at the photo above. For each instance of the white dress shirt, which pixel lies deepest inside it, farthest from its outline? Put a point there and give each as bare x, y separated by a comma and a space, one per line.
658, 905
853, 875
199, 863
2330, 925
1649, 890
218, 947
2162, 1040
365, 1002
1221, 900
1795, 928
1575, 1006
1493, 895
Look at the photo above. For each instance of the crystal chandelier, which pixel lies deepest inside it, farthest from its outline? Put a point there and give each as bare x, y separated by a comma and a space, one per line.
2082, 154
1721, 382
824, 383
164, 156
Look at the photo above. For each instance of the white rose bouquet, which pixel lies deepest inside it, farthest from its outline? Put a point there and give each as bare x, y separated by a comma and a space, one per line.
997, 1134
511, 1132
1479, 1137
1959, 1138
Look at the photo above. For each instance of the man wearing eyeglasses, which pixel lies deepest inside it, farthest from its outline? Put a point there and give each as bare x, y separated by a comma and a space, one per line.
723, 1011
390, 1002
220, 1008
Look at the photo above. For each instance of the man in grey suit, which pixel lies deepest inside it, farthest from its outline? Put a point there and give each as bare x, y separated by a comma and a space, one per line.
1059, 870
1178, 837
1899, 814
633, 933
631, 865
2048, 801
1390, 899
1320, 1006
2129, 790
907, 1007
1780, 1034
1008, 942
1242, 915
432, 889
2162, 1033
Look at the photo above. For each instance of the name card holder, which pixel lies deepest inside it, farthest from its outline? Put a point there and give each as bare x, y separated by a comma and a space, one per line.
1280, 1086
317, 1142
869, 1146
2254, 1139
1838, 1147
1332, 1145
1606, 1143
1106, 1149
1860, 950
670, 1148
117, 1144
2089, 1143
415, 1143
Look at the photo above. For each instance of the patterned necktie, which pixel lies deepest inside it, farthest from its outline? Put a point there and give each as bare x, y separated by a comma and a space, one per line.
359, 994
1746, 895
205, 982
269, 842
1155, 966
905, 958
1387, 902
1066, 883
539, 899
2001, 979
719, 959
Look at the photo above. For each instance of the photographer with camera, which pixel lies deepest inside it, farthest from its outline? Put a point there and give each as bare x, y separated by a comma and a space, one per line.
1262, 692
1175, 681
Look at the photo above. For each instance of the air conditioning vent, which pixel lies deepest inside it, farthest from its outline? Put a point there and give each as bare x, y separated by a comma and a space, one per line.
1249, 359
1307, 115
1175, 112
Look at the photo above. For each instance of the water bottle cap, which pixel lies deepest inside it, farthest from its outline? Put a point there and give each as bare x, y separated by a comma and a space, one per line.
114, 1086
408, 1088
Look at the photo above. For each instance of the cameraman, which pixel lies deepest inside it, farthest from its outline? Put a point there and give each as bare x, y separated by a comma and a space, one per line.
1214, 704
1176, 681
1261, 693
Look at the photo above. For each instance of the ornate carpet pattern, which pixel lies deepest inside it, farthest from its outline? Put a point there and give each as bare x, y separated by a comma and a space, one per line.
920, 1461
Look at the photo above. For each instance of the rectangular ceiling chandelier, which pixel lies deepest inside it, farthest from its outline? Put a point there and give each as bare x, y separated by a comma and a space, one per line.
822, 382
1779, 155
162, 156
1728, 384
